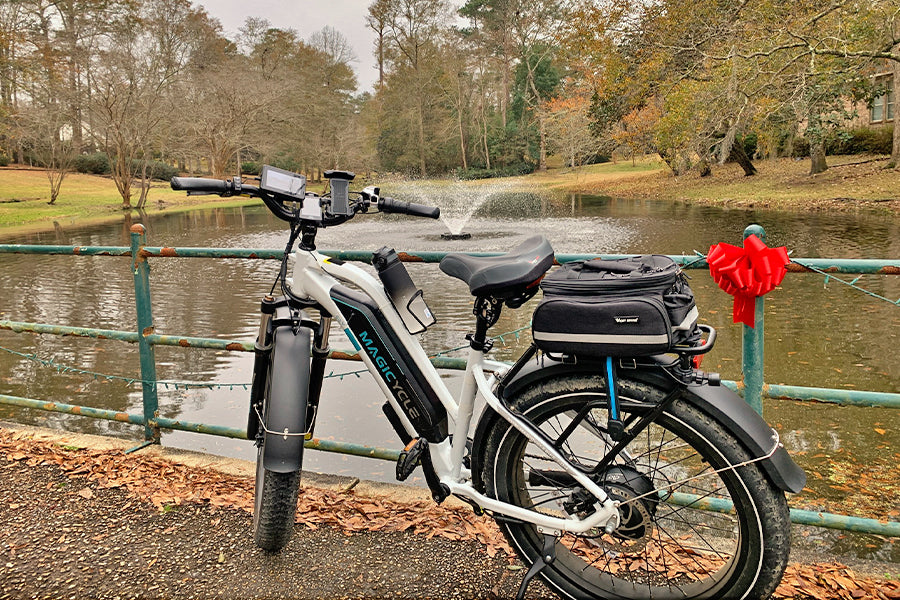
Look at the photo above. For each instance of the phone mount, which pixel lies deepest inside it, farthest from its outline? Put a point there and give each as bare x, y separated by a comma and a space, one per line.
340, 191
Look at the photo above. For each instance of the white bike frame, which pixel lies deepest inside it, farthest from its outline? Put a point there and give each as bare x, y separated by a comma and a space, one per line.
314, 275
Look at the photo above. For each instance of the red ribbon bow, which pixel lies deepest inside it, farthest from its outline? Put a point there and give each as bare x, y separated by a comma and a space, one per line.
747, 273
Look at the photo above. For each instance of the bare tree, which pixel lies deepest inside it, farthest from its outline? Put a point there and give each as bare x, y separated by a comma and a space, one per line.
568, 126
377, 20
47, 135
131, 87
220, 118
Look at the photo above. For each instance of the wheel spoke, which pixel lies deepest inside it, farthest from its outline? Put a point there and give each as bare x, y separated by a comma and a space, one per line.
660, 550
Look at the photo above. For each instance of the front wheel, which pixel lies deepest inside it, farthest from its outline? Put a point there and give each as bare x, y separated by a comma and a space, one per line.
689, 526
280, 456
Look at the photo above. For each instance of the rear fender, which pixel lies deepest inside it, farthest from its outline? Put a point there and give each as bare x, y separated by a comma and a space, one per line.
285, 412
719, 403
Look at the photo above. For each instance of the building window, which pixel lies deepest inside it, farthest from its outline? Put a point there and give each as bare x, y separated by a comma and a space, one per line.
890, 101
883, 106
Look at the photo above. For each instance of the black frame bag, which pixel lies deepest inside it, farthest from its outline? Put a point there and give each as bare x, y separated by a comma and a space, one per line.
626, 307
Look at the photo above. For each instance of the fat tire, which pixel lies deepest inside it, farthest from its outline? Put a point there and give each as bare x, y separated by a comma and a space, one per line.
276, 506
763, 538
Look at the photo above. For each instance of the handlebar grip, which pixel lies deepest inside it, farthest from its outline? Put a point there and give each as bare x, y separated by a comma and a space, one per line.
389, 205
200, 184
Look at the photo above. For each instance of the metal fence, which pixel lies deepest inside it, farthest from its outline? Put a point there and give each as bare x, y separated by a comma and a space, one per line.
752, 386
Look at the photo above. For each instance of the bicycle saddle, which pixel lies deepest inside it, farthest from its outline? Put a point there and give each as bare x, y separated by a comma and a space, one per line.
504, 276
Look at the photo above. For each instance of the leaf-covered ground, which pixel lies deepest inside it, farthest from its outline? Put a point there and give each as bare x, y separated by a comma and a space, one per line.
168, 485
850, 183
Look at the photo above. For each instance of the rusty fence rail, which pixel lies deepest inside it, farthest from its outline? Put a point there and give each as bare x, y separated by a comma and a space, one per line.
751, 386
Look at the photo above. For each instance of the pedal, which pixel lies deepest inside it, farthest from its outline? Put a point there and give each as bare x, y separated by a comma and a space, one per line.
410, 458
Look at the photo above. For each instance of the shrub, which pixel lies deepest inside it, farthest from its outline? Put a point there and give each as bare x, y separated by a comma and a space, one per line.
287, 163
522, 168
4, 160
251, 168
96, 163
596, 159
863, 140
750, 142
157, 170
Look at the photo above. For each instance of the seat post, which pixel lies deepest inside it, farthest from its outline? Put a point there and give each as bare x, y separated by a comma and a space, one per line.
487, 313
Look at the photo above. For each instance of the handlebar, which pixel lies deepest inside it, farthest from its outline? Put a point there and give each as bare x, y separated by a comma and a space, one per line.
389, 205
196, 186
277, 203
200, 184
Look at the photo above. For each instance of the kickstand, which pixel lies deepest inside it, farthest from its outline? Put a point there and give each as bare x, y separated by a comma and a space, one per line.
548, 555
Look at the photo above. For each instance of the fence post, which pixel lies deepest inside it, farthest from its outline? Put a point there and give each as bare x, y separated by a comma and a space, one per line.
753, 341
141, 270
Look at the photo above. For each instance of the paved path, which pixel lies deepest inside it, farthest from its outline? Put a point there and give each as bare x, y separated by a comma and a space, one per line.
65, 536
96, 524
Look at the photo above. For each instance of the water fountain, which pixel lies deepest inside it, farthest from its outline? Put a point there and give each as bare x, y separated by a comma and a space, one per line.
462, 235
458, 201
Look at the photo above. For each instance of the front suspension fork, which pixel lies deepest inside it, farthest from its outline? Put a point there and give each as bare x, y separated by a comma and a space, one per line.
262, 358
317, 372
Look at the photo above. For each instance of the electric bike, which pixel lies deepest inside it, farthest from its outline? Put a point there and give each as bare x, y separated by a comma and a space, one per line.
616, 477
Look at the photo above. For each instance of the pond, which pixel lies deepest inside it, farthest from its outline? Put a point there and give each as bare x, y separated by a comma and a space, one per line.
817, 333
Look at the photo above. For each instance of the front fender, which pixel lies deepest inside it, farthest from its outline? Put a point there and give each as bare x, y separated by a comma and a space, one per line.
719, 403
285, 409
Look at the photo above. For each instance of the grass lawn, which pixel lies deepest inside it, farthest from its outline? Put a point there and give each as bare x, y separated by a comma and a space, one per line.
850, 183
25, 193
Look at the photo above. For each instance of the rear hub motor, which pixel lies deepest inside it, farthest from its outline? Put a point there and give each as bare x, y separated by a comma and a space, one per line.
637, 504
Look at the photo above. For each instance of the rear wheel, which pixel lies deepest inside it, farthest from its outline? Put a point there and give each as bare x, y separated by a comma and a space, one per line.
283, 409
686, 530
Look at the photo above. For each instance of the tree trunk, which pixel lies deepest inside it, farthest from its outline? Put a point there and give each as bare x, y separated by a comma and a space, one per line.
738, 155
421, 124
542, 157
504, 97
704, 166
670, 158
122, 178
459, 121
75, 113
381, 60
895, 150
817, 153
817, 157
487, 150
816, 136
144, 186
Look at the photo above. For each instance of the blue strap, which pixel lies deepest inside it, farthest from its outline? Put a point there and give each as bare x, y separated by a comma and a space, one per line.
611, 386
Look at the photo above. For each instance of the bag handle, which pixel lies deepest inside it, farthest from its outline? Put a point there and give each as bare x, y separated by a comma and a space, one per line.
613, 266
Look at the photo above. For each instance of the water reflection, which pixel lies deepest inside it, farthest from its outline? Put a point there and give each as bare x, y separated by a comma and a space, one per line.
817, 335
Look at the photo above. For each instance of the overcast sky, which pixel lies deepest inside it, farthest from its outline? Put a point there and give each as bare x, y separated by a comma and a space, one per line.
307, 17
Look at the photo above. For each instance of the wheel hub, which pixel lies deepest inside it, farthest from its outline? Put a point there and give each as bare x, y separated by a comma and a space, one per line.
628, 487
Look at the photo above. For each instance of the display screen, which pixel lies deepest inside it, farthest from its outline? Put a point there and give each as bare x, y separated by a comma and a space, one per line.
282, 182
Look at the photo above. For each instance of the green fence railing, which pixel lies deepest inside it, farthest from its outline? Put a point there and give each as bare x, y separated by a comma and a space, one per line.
752, 386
